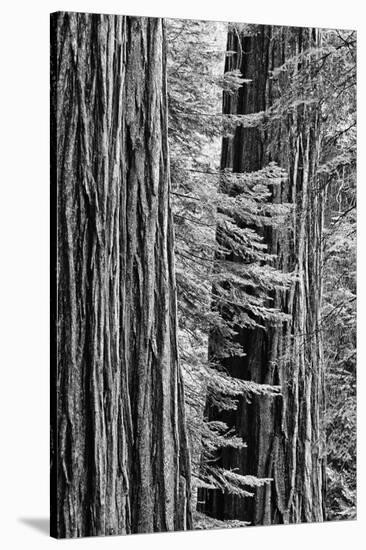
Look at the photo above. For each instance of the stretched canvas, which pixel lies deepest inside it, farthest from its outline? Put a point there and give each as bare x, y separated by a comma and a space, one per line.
203, 274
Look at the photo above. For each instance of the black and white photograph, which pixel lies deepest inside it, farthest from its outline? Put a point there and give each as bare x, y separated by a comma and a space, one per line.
182, 283
203, 217
203, 274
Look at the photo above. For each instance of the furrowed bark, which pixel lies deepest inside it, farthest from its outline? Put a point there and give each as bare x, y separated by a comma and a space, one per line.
284, 437
119, 456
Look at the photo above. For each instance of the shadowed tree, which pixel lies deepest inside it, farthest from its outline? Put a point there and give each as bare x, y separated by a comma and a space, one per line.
284, 436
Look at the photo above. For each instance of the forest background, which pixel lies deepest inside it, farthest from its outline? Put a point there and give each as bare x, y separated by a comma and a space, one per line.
227, 226
31, 359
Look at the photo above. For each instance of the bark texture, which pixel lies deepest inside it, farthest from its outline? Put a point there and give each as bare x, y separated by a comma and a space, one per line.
119, 456
284, 436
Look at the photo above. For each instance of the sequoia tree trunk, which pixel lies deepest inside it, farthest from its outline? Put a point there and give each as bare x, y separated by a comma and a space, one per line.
284, 436
119, 455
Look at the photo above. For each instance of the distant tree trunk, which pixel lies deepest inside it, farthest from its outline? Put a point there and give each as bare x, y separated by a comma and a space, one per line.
284, 437
119, 457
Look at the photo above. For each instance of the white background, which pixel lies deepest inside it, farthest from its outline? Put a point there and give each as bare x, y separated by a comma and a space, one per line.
24, 270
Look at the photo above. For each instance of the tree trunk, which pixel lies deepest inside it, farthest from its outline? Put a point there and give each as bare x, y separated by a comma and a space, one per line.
284, 437
119, 456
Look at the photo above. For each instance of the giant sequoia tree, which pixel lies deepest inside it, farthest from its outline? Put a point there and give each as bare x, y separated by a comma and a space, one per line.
119, 457
279, 120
